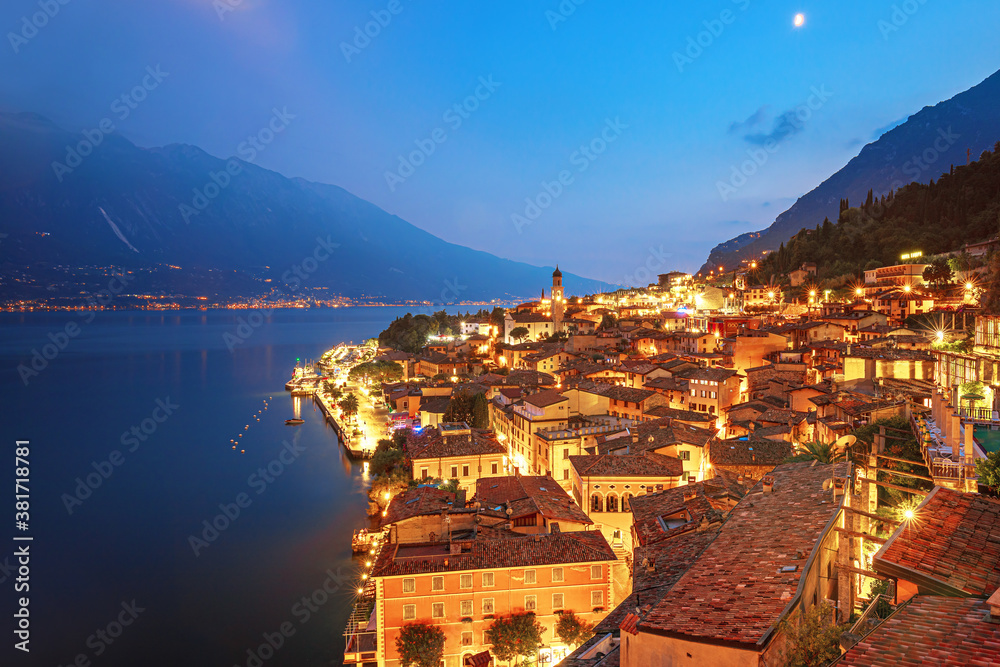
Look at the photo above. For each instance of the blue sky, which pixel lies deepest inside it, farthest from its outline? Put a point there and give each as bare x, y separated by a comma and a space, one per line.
557, 81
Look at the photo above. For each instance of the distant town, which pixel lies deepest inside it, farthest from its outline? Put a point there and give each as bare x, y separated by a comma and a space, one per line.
707, 470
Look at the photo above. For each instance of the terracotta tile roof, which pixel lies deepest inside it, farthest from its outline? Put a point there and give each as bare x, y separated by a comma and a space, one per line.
663, 411
754, 452
430, 444
735, 591
486, 553
629, 394
545, 398
709, 374
421, 501
931, 631
530, 495
529, 378
951, 548
645, 464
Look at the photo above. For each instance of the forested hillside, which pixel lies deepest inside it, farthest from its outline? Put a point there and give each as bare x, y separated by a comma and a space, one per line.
961, 207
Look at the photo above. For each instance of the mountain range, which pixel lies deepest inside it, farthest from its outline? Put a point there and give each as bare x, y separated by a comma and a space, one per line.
222, 228
920, 149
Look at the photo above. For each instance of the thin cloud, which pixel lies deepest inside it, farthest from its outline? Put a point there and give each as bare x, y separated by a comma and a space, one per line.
785, 125
755, 119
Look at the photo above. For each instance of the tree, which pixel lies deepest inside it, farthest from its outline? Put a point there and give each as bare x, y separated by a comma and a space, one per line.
420, 644
515, 636
813, 639
988, 471
938, 272
480, 417
609, 321
820, 452
519, 333
349, 405
497, 317
572, 629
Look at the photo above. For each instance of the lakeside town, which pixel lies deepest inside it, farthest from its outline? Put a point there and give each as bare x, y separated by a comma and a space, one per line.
709, 470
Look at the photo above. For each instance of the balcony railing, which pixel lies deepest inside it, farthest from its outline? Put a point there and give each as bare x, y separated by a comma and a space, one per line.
981, 415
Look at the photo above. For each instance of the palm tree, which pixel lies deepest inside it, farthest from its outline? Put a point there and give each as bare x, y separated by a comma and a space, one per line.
818, 451
349, 405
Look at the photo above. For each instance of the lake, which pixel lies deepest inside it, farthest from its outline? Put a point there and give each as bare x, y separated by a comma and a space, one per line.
154, 541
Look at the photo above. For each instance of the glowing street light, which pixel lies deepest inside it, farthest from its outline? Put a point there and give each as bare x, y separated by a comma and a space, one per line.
908, 514
968, 287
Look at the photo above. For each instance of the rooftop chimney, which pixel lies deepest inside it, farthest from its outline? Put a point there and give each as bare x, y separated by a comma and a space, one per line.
455, 549
768, 484
690, 494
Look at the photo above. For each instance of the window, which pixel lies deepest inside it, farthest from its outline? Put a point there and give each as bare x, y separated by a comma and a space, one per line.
596, 598
409, 585
494, 468
557, 601
529, 577
466, 639
488, 579
557, 574
454, 472
465, 471
530, 603
565, 453
596, 572
465, 581
684, 455
566, 474
409, 612
466, 609
437, 609
437, 583
487, 605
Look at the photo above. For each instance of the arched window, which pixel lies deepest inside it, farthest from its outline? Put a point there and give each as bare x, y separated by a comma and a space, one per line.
612, 502
596, 503
626, 505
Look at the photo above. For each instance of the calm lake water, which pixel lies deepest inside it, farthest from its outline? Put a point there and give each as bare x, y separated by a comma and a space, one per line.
129, 539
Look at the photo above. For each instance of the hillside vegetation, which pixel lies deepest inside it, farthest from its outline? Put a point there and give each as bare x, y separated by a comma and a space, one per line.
962, 206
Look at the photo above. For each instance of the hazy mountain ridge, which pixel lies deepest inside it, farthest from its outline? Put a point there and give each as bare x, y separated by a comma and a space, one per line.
920, 149
137, 207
